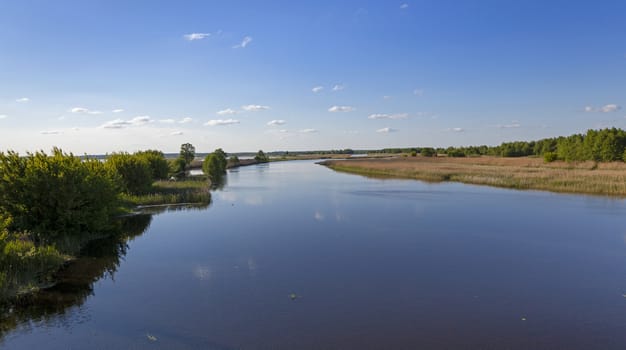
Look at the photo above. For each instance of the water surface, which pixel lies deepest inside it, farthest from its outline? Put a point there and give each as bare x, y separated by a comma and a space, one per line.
292, 255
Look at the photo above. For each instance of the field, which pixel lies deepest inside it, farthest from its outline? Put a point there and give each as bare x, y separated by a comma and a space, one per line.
518, 173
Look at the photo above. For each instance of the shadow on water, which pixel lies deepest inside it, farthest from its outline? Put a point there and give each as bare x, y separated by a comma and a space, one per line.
97, 260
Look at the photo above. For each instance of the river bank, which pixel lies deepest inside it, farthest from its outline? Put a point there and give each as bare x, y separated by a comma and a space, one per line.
524, 173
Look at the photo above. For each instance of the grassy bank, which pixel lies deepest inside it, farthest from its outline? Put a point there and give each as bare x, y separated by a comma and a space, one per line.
517, 173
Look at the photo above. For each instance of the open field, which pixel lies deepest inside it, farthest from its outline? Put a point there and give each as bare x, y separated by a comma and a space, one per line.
518, 173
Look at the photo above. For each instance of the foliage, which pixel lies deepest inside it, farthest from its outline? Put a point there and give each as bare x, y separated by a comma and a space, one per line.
56, 194
134, 171
453, 152
549, 157
261, 157
428, 152
177, 167
23, 265
157, 163
187, 152
214, 165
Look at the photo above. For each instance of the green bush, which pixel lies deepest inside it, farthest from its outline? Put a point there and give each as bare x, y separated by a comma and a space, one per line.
549, 157
134, 171
456, 153
428, 152
261, 157
157, 163
56, 194
214, 165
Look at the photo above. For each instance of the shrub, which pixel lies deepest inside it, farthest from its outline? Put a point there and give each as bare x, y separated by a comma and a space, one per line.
56, 194
428, 152
134, 171
157, 163
261, 157
549, 157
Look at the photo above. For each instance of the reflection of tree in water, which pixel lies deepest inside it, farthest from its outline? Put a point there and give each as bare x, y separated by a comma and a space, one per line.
218, 182
99, 259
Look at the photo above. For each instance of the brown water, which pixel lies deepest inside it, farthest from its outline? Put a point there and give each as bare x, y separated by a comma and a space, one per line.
371, 264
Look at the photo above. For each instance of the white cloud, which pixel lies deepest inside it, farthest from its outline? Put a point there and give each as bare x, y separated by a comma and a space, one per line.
81, 110
317, 89
121, 123
51, 132
140, 120
457, 129
404, 6
387, 97
386, 130
117, 110
176, 133
227, 111
604, 109
115, 124
167, 121
219, 122
254, 108
276, 122
388, 116
185, 120
244, 42
341, 109
338, 87
418, 92
308, 131
508, 126
196, 36
22, 100
3, 116
610, 108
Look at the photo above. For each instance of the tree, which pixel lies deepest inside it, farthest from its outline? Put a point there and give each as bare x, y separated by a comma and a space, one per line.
187, 152
134, 171
428, 152
261, 157
221, 157
157, 163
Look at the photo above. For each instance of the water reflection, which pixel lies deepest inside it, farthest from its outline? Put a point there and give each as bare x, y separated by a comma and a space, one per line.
98, 260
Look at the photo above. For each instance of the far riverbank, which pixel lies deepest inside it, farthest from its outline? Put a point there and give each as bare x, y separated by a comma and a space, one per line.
524, 173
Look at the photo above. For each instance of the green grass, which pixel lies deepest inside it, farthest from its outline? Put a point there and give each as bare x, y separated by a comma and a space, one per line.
192, 190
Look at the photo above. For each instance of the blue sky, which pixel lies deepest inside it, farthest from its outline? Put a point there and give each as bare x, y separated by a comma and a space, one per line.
104, 76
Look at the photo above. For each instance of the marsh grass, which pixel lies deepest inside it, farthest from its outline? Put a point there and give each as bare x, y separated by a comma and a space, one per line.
519, 173
192, 190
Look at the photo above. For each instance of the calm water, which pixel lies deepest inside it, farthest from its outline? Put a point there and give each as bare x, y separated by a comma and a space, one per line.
373, 264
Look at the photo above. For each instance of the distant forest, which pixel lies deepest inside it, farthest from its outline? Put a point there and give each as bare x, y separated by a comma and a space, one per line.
604, 145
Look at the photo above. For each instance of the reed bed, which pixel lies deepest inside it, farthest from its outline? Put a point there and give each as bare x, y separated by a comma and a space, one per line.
174, 192
519, 173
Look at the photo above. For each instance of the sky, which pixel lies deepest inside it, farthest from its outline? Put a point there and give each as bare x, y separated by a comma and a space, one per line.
104, 76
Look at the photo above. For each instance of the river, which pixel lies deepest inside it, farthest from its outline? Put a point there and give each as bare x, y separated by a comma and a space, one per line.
292, 255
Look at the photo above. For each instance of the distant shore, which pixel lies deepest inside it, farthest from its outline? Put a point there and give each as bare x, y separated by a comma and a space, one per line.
524, 173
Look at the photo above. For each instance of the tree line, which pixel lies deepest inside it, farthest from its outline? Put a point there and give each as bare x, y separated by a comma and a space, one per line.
604, 145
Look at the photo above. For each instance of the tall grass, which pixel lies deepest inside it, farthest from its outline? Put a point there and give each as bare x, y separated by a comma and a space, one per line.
173, 192
519, 173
